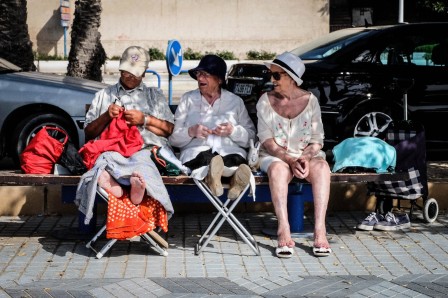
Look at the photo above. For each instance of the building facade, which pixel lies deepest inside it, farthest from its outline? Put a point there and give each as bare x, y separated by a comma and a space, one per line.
237, 26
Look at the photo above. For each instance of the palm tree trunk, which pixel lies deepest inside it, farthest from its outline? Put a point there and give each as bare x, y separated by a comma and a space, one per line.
86, 55
15, 43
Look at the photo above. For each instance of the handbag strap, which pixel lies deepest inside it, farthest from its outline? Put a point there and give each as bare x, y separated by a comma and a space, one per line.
59, 130
159, 160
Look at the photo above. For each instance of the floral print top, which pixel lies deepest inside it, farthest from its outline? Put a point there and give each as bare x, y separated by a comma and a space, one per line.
292, 134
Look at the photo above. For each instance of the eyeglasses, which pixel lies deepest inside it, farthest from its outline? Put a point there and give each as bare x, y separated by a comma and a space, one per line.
277, 75
199, 73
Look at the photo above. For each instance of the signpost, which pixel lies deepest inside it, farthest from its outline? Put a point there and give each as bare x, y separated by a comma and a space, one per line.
174, 59
65, 20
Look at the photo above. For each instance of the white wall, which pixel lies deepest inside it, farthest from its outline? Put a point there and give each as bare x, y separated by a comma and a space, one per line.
203, 25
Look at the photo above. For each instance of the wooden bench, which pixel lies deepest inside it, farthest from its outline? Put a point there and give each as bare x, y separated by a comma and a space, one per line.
182, 189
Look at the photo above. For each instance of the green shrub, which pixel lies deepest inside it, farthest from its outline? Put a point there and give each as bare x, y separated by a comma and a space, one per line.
257, 55
189, 54
226, 55
46, 57
156, 54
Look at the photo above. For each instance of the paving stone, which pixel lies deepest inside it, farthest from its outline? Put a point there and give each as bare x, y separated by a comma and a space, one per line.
33, 264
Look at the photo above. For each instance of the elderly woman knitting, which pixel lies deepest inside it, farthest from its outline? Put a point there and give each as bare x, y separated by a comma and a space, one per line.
213, 128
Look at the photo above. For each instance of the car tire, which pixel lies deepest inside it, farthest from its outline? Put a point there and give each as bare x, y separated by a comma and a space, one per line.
372, 124
28, 127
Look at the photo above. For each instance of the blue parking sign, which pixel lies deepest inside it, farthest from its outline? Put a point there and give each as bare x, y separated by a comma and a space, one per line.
174, 57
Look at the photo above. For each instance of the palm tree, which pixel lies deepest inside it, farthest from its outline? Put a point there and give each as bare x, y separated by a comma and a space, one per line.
86, 55
15, 43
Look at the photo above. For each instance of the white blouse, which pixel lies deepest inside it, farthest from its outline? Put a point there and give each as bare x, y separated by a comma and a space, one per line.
291, 134
194, 109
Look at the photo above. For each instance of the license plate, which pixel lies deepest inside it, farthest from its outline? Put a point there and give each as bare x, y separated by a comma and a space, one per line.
243, 89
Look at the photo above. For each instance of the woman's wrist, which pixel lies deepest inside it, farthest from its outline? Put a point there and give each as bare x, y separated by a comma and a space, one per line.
288, 158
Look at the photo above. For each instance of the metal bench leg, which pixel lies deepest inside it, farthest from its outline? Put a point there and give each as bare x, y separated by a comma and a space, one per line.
224, 214
93, 240
105, 248
154, 244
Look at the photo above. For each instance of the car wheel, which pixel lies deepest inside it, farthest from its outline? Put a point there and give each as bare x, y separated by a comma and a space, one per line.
372, 124
28, 128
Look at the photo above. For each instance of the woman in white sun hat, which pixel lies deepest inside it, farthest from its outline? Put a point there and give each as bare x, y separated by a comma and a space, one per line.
291, 133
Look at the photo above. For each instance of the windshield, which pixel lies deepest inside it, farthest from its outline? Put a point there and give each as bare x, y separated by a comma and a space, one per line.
6, 66
330, 43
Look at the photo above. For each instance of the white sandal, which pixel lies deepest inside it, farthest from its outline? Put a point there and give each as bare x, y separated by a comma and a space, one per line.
284, 252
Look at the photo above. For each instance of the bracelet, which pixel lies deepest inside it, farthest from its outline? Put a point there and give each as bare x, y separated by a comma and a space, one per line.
145, 120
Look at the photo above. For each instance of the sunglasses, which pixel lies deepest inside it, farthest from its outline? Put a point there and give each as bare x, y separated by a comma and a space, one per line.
199, 73
277, 75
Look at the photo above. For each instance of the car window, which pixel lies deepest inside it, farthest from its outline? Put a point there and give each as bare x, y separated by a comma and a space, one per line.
329, 44
416, 50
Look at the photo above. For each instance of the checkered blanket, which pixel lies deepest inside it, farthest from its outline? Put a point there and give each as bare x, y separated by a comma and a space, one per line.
409, 189
410, 145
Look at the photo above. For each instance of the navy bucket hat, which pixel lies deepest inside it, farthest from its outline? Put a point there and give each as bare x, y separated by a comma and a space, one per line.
212, 64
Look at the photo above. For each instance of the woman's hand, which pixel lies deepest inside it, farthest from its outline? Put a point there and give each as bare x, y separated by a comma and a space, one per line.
134, 117
199, 131
223, 129
300, 167
114, 110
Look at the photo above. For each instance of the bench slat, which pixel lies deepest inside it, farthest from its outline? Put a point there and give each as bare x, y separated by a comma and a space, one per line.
16, 178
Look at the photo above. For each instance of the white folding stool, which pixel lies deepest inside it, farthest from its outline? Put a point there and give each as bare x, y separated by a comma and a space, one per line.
224, 214
152, 238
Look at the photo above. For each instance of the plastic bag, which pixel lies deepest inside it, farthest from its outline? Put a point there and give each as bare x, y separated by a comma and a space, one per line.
167, 163
72, 160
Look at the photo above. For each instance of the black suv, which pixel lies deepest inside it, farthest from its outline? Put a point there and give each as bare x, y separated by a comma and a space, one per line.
366, 77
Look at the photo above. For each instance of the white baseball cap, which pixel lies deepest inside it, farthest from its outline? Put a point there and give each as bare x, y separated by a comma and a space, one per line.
134, 60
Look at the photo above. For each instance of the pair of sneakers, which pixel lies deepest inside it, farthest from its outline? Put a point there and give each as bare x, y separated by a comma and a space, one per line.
238, 181
388, 222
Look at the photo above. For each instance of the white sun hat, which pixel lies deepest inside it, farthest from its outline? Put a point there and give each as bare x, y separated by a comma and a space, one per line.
290, 63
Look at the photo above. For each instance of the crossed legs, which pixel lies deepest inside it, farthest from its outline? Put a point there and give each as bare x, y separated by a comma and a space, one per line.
279, 177
138, 186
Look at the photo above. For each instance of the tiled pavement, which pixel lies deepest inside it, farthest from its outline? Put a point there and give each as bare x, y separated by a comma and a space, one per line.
410, 263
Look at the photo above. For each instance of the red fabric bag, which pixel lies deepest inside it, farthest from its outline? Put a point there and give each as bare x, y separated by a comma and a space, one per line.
43, 151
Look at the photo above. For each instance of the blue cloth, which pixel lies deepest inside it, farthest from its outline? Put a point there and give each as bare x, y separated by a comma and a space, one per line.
364, 152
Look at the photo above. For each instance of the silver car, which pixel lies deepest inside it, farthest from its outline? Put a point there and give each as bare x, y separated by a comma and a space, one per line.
30, 100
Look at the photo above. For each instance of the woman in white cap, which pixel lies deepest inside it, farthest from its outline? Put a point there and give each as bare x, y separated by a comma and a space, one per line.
291, 133
146, 111
213, 128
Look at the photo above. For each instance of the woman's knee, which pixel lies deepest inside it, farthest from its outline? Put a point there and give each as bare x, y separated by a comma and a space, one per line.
280, 171
319, 168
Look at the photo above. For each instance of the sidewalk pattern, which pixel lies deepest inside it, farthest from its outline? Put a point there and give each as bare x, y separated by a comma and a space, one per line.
409, 263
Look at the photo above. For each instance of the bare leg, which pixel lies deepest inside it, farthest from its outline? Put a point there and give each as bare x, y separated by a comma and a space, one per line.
319, 178
138, 187
279, 178
107, 182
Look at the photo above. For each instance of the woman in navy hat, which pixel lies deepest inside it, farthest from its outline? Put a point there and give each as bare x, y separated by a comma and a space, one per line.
213, 128
291, 133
